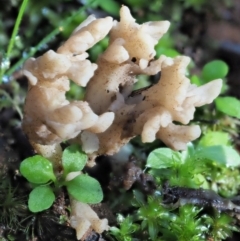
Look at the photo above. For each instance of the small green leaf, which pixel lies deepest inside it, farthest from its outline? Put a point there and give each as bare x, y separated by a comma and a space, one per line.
152, 230
221, 154
214, 70
114, 230
40, 198
162, 158
214, 138
228, 105
85, 189
74, 159
37, 169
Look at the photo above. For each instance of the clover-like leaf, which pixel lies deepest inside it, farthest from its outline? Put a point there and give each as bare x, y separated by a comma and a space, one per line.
74, 159
37, 169
40, 198
228, 105
162, 158
85, 189
214, 70
221, 154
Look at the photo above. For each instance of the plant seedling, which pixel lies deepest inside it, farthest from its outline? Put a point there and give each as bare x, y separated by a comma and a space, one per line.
39, 171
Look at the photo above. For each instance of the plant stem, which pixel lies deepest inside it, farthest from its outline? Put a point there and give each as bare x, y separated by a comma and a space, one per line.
13, 102
14, 34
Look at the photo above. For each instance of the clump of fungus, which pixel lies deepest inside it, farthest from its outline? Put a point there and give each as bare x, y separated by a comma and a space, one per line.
111, 113
150, 112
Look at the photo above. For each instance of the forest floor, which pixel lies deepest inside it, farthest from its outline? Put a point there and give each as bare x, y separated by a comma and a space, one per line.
210, 36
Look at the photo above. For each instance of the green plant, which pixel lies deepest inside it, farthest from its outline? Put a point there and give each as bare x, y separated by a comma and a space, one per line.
125, 230
198, 167
39, 171
153, 216
203, 165
221, 226
5, 62
153, 220
192, 168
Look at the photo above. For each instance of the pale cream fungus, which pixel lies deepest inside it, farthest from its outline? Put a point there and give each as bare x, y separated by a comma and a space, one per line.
111, 114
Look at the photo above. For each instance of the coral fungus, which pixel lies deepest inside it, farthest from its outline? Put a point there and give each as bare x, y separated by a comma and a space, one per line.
112, 113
